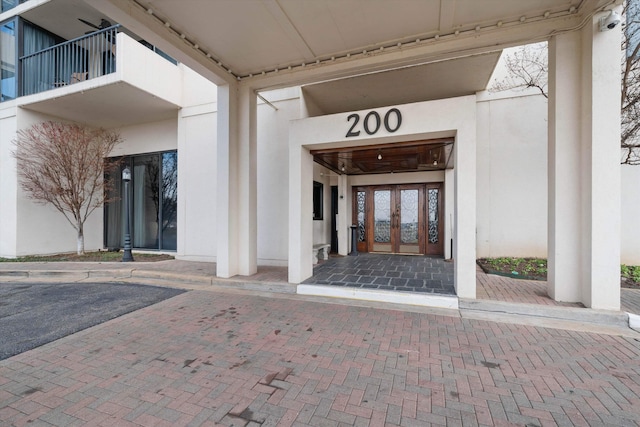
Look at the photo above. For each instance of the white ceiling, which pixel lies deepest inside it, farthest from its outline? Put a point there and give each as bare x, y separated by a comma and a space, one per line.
338, 38
428, 48
445, 79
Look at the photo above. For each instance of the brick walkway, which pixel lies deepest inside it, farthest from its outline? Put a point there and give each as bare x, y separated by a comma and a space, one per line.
235, 358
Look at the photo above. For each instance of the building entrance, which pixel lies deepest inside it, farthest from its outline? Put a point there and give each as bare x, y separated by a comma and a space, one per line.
401, 219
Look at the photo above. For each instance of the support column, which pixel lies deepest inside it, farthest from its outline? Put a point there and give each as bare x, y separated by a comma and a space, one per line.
584, 167
564, 237
464, 217
237, 182
300, 213
603, 136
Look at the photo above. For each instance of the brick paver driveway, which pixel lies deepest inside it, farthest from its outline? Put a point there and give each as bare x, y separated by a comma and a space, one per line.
235, 358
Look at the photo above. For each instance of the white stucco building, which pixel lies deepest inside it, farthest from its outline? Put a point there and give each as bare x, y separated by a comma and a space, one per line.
303, 118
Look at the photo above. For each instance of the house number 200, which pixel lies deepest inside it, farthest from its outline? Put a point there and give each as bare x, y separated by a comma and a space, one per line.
371, 122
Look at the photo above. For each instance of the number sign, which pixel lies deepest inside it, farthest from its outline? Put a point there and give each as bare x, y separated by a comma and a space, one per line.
372, 122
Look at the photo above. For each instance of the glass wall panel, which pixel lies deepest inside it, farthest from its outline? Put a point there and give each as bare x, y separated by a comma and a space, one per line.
114, 213
154, 203
8, 61
10, 4
146, 201
169, 200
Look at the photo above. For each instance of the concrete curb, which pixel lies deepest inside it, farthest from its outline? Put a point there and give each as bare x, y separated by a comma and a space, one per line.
582, 315
634, 321
141, 275
468, 308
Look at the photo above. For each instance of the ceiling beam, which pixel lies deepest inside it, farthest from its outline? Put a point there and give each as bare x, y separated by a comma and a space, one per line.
427, 51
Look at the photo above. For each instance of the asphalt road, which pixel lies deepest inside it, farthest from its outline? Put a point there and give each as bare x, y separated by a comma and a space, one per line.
33, 314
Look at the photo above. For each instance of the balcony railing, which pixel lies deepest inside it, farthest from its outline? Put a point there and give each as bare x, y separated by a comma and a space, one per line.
73, 61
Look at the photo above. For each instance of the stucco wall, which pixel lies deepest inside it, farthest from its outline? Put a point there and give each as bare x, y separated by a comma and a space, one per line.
8, 183
273, 174
197, 184
41, 229
630, 215
511, 180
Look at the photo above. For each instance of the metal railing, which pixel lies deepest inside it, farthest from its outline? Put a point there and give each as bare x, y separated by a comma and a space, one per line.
73, 61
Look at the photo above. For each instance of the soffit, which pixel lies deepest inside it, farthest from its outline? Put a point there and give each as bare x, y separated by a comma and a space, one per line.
243, 39
413, 156
438, 80
108, 106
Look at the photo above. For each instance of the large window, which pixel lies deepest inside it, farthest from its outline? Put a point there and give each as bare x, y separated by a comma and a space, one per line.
10, 4
33, 39
153, 200
8, 60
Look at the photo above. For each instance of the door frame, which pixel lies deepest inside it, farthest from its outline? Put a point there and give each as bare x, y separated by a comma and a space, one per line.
424, 248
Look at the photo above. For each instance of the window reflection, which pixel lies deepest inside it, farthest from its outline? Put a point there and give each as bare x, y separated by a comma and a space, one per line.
154, 201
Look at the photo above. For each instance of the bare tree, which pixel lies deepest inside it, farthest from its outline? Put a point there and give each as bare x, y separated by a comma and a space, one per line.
64, 165
527, 67
630, 97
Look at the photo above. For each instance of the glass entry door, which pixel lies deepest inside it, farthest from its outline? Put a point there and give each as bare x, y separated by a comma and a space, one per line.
404, 219
398, 221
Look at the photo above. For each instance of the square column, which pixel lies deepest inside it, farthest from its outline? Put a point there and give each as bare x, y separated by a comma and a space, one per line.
300, 213
464, 212
237, 182
584, 167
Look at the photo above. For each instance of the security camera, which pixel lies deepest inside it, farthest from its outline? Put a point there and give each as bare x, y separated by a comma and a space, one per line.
610, 21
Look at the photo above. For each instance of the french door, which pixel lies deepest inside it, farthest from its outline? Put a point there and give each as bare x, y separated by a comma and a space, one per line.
403, 219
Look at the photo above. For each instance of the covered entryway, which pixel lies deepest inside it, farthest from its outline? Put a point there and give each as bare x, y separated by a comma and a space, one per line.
414, 42
399, 219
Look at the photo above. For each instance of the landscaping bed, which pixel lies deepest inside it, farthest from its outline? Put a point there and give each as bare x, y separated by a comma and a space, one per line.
536, 269
98, 256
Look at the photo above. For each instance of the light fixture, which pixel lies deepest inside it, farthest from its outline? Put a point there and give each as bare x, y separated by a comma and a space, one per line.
379, 155
435, 156
342, 168
126, 178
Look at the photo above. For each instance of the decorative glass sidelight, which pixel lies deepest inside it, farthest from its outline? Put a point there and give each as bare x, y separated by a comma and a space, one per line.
433, 196
382, 216
409, 216
361, 200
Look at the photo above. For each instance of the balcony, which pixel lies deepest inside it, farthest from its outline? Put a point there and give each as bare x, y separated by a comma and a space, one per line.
105, 78
74, 61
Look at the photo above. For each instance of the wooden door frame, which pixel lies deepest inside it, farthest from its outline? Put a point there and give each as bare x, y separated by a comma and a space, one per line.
424, 247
